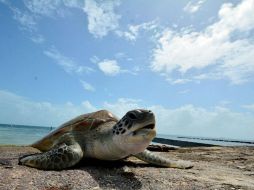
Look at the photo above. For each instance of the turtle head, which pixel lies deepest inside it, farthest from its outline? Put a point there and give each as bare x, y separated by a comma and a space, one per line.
134, 132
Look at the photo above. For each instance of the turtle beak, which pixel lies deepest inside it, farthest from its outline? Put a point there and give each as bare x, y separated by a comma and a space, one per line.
147, 125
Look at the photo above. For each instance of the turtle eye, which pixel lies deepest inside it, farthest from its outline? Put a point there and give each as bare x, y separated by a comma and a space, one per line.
132, 116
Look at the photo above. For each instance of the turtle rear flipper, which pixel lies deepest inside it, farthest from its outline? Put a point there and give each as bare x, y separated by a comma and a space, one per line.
58, 158
152, 158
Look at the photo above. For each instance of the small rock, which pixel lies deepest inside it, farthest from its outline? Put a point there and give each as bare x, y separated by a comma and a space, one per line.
241, 167
160, 148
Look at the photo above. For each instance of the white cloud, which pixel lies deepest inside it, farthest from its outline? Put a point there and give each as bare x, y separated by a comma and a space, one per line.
121, 55
86, 104
19, 110
52, 8
43, 7
74, 3
66, 63
249, 107
196, 121
94, 59
193, 7
29, 18
184, 91
101, 16
39, 39
87, 86
223, 50
109, 67
224, 103
122, 105
26, 20
178, 81
133, 31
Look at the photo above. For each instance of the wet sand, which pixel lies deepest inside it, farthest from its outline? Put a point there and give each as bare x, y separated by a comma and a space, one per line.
214, 168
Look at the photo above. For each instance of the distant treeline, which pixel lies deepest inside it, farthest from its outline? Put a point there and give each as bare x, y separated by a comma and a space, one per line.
221, 140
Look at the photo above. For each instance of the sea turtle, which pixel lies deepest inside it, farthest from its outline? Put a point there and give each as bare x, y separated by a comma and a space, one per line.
102, 136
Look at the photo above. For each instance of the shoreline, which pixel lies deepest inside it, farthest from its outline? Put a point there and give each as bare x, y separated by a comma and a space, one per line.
180, 143
220, 140
200, 142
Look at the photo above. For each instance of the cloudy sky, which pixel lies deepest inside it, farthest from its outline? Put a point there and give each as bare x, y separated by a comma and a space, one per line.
190, 61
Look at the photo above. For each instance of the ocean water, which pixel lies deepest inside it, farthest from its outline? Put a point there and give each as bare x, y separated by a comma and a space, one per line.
20, 134
25, 135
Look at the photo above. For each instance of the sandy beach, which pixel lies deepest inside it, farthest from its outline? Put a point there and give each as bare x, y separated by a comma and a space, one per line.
214, 168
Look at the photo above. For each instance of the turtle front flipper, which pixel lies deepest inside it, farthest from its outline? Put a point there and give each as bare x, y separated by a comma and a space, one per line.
152, 158
58, 158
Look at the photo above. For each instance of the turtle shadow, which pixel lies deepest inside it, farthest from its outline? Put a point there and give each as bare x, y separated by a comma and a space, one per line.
112, 174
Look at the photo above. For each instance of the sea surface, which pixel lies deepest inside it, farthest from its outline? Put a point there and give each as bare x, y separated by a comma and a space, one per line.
25, 135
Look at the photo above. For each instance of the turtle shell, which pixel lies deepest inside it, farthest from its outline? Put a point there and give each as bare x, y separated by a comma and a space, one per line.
84, 123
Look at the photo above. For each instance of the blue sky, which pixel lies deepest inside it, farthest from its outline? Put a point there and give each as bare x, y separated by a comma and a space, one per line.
191, 62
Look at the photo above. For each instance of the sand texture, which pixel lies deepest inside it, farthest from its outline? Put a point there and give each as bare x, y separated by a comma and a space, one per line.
214, 168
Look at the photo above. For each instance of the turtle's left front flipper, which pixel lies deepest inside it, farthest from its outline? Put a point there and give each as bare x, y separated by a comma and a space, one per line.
58, 158
152, 158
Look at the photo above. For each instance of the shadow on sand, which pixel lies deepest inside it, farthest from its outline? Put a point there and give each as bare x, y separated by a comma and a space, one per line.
112, 174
